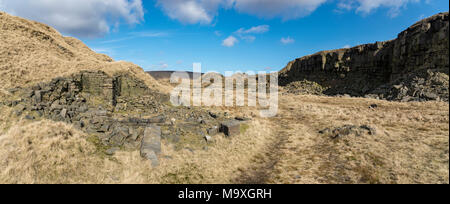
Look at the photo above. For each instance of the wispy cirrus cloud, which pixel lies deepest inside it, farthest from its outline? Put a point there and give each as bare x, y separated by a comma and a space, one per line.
247, 34
254, 30
134, 35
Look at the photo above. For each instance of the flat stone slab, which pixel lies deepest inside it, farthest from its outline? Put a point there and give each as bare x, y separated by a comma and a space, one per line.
151, 144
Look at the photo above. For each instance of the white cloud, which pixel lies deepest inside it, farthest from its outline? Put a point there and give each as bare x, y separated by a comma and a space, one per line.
346, 46
204, 11
287, 40
192, 11
161, 65
286, 9
81, 18
367, 6
230, 41
164, 66
244, 34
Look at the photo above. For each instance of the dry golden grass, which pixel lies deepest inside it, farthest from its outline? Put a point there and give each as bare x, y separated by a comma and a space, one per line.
31, 52
411, 146
46, 152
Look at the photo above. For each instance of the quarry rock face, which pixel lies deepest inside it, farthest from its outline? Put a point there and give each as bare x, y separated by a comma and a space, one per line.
360, 70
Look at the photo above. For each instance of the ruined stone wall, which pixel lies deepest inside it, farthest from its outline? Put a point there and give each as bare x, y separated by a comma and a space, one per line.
359, 70
94, 101
120, 111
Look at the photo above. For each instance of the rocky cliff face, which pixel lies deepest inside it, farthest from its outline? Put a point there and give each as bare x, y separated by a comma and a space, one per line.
361, 70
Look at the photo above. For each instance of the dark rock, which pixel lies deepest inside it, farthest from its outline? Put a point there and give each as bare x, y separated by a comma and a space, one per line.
242, 119
372, 131
37, 97
430, 96
134, 134
118, 136
79, 124
213, 115
231, 128
325, 131
346, 130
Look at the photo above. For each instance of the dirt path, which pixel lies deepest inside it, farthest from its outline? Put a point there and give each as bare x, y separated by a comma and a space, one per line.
263, 167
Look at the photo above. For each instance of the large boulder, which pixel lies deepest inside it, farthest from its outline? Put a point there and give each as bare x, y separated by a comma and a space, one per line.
231, 128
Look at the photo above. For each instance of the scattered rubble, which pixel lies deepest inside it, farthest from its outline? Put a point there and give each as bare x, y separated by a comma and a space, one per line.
346, 130
304, 87
121, 111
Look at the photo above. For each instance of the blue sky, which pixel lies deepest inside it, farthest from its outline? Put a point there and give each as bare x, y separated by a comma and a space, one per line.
225, 34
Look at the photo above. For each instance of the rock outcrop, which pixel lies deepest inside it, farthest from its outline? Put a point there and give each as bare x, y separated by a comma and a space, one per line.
358, 71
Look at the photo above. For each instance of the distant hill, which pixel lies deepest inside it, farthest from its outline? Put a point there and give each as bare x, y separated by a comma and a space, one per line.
158, 75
